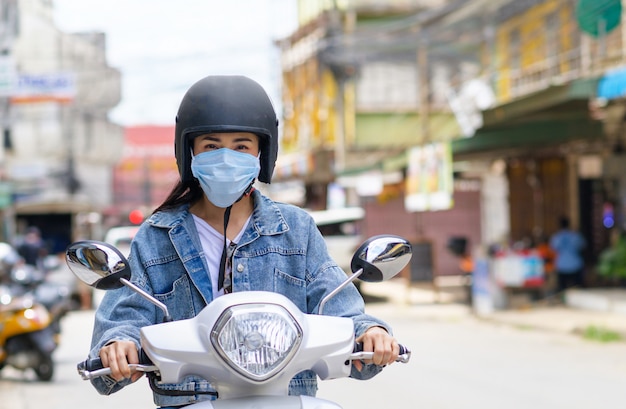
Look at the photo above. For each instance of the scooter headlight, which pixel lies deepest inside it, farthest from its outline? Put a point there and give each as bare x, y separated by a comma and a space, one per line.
257, 340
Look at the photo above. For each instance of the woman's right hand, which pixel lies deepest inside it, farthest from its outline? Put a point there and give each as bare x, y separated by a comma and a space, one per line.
116, 356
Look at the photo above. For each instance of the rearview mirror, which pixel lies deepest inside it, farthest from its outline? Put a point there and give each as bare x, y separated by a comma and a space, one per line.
381, 257
97, 264
102, 266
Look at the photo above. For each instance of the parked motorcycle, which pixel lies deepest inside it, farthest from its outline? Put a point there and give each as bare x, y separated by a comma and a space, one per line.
30, 314
37, 282
248, 345
26, 337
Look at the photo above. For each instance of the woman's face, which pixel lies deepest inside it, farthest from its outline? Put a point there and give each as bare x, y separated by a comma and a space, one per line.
239, 141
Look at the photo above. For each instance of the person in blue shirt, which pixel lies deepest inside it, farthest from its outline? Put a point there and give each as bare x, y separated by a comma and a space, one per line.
217, 234
568, 245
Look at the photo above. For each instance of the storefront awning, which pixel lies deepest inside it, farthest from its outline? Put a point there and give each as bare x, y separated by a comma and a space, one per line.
530, 135
551, 101
550, 117
613, 84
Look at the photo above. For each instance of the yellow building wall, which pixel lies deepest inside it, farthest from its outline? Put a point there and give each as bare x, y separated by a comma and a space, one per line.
310, 120
533, 47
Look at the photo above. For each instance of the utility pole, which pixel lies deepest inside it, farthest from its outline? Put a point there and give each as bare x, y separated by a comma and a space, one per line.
8, 32
72, 184
424, 90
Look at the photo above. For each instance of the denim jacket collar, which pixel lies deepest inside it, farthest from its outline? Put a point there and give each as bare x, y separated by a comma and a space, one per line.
267, 218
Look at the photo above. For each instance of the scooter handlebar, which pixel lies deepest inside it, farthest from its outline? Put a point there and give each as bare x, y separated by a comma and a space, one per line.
93, 368
404, 355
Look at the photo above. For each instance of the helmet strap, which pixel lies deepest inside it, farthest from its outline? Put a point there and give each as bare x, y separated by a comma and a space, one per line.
222, 272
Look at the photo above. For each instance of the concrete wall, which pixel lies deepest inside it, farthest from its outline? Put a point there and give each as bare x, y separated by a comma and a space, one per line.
437, 226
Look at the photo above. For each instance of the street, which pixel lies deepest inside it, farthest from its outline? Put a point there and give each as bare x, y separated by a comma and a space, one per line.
461, 362
458, 362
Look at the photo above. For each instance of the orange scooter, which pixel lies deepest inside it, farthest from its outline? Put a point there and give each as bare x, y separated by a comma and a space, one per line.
26, 338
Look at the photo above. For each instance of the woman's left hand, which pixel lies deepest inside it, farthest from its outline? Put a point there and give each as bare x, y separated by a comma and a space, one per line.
384, 346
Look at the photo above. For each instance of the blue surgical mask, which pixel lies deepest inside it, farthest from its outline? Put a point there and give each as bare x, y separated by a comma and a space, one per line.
225, 174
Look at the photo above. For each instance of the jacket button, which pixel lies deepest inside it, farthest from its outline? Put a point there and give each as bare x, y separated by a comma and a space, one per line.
240, 267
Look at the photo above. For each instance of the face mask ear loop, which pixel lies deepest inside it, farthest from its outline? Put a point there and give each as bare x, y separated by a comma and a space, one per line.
222, 272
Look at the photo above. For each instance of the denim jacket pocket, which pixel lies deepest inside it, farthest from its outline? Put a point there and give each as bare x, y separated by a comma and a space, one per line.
292, 287
179, 300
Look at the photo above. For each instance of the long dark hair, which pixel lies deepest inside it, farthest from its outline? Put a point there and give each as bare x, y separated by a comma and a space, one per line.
182, 193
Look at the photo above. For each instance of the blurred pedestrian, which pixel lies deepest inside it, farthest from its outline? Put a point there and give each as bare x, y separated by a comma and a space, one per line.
32, 249
568, 245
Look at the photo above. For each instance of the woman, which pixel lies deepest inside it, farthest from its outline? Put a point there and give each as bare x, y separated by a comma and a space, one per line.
226, 137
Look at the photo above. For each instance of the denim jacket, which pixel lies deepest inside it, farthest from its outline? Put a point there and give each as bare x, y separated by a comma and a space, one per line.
281, 250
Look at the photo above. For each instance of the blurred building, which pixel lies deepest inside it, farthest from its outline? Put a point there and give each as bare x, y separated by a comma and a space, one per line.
357, 99
58, 143
527, 96
145, 174
545, 140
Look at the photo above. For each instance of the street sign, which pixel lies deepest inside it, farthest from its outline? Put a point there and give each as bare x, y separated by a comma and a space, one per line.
6, 193
598, 17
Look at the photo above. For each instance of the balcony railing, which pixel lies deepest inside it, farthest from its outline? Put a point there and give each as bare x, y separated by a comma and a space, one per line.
592, 58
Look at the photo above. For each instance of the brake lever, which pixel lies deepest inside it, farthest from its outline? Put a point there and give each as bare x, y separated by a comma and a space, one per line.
403, 357
87, 375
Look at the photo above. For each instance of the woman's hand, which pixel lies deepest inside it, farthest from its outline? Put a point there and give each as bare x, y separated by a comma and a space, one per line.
384, 346
116, 356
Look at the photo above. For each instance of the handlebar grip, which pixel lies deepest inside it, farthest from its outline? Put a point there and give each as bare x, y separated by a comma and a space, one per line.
358, 347
93, 364
403, 350
143, 358
90, 365
404, 354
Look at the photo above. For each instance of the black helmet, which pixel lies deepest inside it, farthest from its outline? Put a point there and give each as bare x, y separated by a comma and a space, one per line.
226, 104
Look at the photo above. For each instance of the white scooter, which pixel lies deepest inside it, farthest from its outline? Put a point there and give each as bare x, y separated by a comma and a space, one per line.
248, 345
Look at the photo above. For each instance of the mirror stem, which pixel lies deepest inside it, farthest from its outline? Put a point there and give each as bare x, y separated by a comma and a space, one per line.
148, 297
343, 285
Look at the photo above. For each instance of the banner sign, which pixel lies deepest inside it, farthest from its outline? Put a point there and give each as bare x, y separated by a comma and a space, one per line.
54, 87
518, 270
429, 182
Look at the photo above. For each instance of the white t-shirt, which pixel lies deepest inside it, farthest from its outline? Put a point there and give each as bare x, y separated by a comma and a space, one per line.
212, 246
